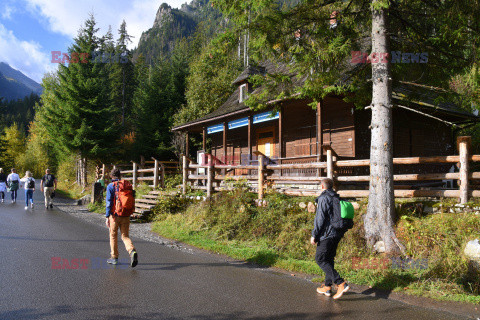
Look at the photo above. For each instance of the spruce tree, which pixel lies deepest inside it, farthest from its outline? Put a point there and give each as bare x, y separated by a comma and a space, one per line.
88, 121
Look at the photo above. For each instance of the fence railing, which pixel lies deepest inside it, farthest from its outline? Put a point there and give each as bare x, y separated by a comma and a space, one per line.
153, 172
263, 174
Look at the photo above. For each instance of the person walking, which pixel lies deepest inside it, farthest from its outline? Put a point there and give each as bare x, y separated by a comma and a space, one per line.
13, 183
3, 184
29, 185
326, 238
115, 222
48, 185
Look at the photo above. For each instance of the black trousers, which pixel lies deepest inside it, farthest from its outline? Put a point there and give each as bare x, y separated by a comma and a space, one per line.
325, 256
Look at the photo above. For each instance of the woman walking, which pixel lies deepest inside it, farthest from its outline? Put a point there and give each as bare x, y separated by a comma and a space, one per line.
29, 188
3, 184
13, 182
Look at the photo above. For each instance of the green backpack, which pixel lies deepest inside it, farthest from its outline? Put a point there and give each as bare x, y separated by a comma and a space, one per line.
346, 209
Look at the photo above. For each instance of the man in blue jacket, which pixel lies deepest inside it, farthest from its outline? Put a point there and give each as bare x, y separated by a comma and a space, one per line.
326, 238
114, 222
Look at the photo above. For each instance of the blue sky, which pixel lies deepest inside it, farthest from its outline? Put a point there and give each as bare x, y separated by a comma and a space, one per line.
31, 29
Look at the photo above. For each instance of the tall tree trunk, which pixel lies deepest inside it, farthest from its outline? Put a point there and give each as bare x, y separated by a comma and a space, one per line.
84, 172
381, 203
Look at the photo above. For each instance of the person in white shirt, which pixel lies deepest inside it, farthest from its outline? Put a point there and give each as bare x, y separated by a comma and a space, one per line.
29, 185
13, 183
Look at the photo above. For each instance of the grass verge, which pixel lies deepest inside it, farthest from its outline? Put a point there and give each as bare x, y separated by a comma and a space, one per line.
277, 236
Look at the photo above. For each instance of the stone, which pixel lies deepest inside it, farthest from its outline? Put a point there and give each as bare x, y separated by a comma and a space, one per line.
199, 198
379, 246
84, 200
472, 250
355, 205
302, 205
428, 209
311, 207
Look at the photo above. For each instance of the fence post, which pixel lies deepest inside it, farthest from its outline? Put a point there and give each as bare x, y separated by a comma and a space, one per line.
210, 170
464, 151
134, 182
261, 175
162, 176
329, 163
103, 170
155, 174
185, 174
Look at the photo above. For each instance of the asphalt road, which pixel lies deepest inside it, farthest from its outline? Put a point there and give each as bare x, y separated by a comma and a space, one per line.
167, 283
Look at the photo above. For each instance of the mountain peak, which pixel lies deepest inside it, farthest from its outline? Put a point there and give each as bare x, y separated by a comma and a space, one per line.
15, 85
165, 11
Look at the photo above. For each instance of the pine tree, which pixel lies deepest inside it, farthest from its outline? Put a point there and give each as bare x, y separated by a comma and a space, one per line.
88, 120
122, 78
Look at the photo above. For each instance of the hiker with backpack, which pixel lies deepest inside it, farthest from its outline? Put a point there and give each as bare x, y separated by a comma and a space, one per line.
120, 204
329, 228
3, 184
13, 183
48, 185
29, 185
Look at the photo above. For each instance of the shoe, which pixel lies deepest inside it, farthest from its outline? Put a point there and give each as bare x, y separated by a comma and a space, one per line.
51, 206
3, 200
32, 205
133, 258
112, 261
341, 289
26, 208
326, 290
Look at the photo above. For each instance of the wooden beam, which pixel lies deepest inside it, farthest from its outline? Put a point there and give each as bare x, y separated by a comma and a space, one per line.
319, 131
225, 126
464, 144
187, 144
250, 137
204, 143
280, 134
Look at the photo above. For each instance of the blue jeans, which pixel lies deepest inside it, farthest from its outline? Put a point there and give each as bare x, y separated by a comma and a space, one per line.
28, 196
14, 195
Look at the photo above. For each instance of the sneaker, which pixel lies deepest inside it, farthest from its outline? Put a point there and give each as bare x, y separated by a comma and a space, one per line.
26, 208
3, 200
32, 205
326, 290
341, 289
133, 258
51, 206
112, 261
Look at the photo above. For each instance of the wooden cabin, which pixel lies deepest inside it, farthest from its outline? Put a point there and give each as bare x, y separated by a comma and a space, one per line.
297, 133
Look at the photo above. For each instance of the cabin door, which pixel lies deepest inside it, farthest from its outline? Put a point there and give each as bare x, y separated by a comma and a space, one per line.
266, 141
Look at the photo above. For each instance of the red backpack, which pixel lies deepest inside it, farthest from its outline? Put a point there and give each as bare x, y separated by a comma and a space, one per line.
124, 198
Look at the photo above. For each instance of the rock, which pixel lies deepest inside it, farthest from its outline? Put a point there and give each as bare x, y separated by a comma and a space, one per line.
199, 198
84, 200
264, 204
311, 207
355, 205
379, 246
428, 209
472, 250
302, 205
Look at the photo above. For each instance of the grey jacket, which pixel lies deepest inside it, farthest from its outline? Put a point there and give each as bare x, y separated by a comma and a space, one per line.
322, 229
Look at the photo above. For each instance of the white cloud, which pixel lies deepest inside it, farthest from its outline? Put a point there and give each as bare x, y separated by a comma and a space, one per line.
26, 56
7, 12
67, 16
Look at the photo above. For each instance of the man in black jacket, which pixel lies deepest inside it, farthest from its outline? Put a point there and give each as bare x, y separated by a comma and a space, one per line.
326, 238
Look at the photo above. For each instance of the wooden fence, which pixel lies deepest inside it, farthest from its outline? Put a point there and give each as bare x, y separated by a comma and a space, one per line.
153, 172
258, 176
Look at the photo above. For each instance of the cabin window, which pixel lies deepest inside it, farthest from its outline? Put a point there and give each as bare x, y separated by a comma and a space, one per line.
243, 93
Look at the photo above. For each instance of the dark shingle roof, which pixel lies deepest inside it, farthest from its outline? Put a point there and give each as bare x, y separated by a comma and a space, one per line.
423, 97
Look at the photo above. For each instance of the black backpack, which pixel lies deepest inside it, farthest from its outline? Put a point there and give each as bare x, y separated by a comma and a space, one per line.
339, 223
30, 183
49, 180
